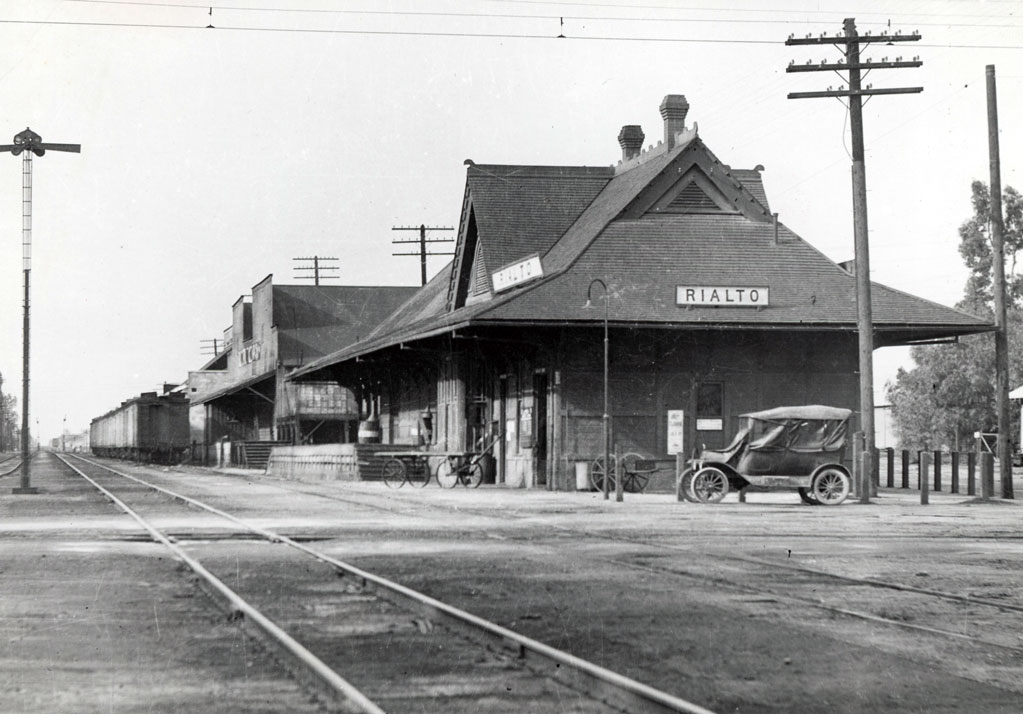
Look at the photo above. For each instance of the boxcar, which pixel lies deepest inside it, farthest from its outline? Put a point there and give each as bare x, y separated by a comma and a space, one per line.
150, 427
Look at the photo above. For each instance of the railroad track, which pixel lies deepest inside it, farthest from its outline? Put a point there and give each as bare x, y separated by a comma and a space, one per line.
891, 604
404, 649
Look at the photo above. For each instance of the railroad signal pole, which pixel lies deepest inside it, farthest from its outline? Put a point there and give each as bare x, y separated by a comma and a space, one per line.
316, 268
422, 241
849, 42
28, 143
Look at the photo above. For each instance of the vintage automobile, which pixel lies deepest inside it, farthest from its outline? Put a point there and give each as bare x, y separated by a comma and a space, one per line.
799, 448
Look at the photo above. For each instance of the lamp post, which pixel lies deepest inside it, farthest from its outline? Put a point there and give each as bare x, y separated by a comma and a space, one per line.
607, 416
28, 143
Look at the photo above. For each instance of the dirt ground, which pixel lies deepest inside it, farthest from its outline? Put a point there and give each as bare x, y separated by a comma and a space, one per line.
735, 607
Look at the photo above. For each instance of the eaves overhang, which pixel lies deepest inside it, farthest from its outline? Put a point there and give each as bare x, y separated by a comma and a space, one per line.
234, 388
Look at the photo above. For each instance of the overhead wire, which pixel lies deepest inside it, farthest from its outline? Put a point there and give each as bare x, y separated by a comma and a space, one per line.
422, 33
505, 16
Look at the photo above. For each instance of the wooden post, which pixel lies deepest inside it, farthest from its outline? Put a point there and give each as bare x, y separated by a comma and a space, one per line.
905, 468
679, 468
619, 476
925, 477
971, 473
937, 471
859, 480
890, 456
955, 472
987, 475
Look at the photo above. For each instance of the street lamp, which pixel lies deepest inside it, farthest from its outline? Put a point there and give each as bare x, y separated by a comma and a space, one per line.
28, 143
607, 416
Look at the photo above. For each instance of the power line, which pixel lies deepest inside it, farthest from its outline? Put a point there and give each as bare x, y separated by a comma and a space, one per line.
506, 16
481, 35
495, 15
727, 9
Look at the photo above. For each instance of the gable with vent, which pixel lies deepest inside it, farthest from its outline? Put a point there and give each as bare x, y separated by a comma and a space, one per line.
693, 193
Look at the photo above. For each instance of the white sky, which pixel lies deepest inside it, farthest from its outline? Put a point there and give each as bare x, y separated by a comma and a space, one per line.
212, 157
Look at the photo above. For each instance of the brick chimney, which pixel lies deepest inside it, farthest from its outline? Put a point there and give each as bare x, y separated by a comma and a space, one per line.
673, 110
630, 138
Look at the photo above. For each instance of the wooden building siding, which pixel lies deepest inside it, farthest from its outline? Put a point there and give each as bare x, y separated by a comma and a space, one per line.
653, 372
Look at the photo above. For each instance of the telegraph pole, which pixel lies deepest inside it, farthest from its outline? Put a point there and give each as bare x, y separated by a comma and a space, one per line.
210, 348
998, 258
849, 43
317, 268
422, 252
28, 143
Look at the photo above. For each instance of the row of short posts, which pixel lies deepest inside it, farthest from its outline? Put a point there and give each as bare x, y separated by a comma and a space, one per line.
930, 471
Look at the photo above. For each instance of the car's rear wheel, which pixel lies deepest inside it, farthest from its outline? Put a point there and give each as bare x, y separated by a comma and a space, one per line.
831, 486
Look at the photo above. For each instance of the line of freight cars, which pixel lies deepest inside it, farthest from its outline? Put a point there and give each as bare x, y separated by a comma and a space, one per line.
151, 428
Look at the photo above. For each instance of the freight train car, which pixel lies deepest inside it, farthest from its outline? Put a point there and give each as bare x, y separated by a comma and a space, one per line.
150, 427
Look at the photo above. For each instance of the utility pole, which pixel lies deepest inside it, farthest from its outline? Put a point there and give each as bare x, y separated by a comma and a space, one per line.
28, 143
210, 348
849, 43
423, 240
317, 268
998, 258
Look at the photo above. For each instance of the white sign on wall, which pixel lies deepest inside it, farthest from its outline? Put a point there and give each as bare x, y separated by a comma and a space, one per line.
251, 353
517, 273
676, 431
721, 296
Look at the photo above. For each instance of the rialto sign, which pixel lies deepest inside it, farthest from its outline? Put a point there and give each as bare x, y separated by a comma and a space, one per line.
518, 273
721, 296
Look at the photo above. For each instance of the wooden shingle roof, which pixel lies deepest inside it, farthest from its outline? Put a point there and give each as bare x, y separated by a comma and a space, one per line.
634, 231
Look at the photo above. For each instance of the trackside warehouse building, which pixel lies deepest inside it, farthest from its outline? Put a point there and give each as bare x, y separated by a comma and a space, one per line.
714, 309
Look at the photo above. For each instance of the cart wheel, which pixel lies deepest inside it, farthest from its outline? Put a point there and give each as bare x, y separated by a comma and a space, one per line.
831, 486
685, 486
447, 475
806, 496
419, 474
636, 482
472, 475
597, 473
633, 482
710, 485
394, 473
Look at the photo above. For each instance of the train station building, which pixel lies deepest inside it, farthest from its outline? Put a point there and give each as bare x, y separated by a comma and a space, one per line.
241, 405
713, 308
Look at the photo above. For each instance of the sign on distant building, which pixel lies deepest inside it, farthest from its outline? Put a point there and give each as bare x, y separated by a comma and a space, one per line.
721, 296
518, 273
250, 353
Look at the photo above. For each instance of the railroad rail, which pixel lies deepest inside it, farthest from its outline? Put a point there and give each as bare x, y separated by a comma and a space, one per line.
599, 683
692, 574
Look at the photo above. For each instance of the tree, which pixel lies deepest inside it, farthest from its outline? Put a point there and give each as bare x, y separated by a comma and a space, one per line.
950, 393
8, 420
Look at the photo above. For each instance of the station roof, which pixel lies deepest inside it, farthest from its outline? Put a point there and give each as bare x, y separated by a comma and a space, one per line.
312, 320
672, 217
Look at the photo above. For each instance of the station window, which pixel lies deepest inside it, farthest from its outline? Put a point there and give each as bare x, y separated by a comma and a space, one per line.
710, 406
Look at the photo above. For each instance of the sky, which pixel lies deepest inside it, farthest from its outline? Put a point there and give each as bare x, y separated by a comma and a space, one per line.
211, 157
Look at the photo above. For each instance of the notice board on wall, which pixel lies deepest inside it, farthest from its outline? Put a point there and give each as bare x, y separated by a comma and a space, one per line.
676, 431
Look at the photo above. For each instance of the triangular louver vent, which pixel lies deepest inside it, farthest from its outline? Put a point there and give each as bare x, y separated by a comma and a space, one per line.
480, 283
692, 199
